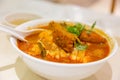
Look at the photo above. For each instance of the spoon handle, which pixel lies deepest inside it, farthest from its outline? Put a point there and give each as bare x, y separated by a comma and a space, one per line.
11, 31
7, 29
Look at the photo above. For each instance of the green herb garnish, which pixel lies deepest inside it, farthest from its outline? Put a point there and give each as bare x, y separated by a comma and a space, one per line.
43, 51
80, 46
81, 29
76, 29
73, 30
78, 25
93, 25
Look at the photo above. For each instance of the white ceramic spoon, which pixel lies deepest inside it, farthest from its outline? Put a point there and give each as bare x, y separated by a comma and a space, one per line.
16, 33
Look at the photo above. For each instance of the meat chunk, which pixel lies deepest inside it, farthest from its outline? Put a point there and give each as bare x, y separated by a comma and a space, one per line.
61, 37
92, 37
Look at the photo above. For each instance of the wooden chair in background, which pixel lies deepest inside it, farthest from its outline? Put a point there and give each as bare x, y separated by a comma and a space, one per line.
113, 5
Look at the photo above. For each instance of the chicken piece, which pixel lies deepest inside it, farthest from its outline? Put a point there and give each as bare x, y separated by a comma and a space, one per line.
61, 37
91, 37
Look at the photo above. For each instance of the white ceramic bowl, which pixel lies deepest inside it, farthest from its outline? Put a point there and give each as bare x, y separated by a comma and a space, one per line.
60, 71
16, 18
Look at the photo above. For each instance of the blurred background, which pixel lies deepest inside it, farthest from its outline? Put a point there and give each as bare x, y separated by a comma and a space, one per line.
101, 6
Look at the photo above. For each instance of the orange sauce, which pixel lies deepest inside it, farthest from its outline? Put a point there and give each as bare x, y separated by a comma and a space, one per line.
94, 52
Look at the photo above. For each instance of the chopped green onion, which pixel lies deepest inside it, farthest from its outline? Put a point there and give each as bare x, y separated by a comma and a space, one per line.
43, 51
93, 25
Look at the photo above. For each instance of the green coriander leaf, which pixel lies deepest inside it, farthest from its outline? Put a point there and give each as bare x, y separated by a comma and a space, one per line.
80, 46
76, 29
73, 30
78, 25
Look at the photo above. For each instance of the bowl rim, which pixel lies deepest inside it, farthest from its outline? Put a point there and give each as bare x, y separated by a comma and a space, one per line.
33, 23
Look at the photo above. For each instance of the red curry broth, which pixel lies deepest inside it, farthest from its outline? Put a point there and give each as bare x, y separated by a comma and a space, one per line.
53, 52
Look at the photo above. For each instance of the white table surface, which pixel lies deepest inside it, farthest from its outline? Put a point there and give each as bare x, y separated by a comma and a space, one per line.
13, 68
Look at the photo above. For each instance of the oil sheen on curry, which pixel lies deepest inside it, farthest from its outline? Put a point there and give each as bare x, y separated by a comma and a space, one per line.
67, 42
